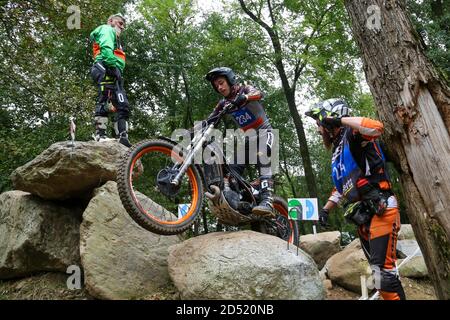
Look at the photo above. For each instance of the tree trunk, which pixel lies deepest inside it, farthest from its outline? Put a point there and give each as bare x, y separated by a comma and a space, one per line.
304, 151
286, 171
414, 105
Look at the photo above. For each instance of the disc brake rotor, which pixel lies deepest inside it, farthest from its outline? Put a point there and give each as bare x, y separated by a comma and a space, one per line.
164, 182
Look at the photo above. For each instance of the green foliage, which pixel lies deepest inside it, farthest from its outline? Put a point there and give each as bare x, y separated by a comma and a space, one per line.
431, 19
21, 145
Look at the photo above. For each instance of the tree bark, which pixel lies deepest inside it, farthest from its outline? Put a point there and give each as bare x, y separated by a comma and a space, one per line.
413, 102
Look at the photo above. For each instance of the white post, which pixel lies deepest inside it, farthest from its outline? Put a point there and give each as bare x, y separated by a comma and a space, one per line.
364, 292
314, 229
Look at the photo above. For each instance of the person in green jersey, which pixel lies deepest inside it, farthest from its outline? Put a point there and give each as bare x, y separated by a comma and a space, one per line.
109, 63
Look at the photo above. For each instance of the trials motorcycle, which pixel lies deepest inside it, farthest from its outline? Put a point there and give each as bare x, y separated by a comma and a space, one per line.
162, 188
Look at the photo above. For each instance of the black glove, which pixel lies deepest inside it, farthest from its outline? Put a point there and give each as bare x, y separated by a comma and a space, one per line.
323, 217
332, 122
369, 192
98, 72
373, 198
240, 100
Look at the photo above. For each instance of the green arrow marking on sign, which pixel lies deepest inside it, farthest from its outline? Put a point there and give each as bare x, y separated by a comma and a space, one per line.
295, 209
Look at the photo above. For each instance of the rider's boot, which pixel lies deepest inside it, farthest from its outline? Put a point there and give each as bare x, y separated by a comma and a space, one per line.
265, 206
121, 131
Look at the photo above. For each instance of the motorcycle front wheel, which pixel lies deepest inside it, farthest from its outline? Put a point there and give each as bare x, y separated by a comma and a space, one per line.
153, 203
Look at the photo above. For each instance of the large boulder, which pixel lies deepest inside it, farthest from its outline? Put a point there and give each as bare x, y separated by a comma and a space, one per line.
120, 259
243, 265
321, 246
413, 268
346, 267
37, 235
355, 244
61, 173
406, 232
406, 248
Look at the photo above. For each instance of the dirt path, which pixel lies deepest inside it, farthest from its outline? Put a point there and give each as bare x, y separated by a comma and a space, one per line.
47, 286
414, 290
52, 286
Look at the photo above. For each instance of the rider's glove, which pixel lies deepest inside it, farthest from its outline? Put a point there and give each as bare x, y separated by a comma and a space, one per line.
373, 198
323, 217
331, 122
240, 100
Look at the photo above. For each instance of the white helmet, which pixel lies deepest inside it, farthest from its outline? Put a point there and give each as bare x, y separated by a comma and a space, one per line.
331, 107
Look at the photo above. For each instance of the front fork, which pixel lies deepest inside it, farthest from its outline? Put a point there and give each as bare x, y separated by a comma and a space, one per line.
192, 150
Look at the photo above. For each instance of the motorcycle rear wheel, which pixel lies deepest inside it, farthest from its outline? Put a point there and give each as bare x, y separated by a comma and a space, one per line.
280, 226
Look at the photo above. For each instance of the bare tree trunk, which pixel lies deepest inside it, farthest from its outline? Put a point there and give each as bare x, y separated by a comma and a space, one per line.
286, 171
414, 104
187, 121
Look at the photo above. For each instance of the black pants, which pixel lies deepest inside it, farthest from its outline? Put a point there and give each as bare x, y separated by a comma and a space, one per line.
379, 242
109, 90
257, 151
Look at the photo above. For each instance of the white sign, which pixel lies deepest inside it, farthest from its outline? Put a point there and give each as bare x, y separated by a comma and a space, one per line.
183, 209
307, 206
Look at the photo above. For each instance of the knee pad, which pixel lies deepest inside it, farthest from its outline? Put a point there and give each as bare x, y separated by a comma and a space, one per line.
386, 280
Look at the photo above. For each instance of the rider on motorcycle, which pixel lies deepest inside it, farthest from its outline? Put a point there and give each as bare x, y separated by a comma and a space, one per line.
248, 113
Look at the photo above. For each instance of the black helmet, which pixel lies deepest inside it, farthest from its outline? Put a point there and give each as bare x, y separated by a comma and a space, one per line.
331, 107
221, 71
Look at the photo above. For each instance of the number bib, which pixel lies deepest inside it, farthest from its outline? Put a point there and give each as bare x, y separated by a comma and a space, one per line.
345, 171
243, 117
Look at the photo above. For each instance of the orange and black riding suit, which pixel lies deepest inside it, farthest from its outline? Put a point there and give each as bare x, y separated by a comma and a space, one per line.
359, 172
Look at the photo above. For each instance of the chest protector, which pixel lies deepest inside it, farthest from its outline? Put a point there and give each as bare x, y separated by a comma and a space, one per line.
346, 172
